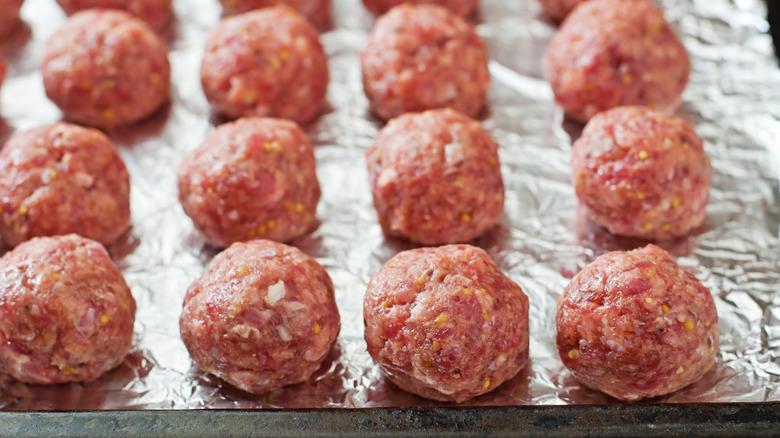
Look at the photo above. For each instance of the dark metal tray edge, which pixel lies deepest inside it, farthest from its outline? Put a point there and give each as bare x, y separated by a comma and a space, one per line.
638, 420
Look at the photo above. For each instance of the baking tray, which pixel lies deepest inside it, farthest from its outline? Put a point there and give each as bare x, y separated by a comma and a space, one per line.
642, 419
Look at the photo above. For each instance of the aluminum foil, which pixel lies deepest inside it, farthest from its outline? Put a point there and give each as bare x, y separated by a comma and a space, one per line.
732, 101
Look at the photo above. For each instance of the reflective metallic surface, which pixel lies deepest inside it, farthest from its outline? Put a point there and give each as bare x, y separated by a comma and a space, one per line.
732, 102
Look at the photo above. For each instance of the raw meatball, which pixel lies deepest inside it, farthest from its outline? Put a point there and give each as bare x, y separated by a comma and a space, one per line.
106, 68
460, 7
435, 177
641, 172
9, 15
62, 179
66, 313
637, 325
262, 316
444, 323
558, 9
317, 11
267, 62
422, 57
610, 53
157, 13
253, 178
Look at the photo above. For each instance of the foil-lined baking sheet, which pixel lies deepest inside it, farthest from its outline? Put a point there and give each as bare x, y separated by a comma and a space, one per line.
733, 101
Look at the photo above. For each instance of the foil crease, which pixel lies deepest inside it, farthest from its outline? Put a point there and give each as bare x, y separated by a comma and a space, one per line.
732, 101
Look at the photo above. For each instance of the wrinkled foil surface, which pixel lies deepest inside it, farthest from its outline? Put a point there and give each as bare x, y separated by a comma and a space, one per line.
732, 101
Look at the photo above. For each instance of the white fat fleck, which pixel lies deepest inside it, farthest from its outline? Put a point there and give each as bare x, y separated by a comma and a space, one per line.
245, 330
293, 306
453, 152
283, 333
310, 355
386, 176
275, 293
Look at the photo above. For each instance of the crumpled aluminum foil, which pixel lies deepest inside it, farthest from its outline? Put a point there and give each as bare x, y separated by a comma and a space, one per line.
541, 243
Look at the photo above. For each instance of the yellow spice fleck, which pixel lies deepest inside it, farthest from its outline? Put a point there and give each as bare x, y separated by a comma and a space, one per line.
210, 191
442, 318
675, 202
56, 275
712, 349
465, 217
643, 155
67, 371
458, 182
273, 146
284, 55
485, 316
649, 300
107, 113
666, 227
242, 270
23, 209
271, 224
104, 319
420, 281
664, 308
436, 344
686, 145
573, 354
647, 226
707, 324
298, 207
481, 291
680, 370
640, 195
385, 304
486, 384
626, 78
154, 78
689, 325
465, 291
276, 63
316, 328
53, 174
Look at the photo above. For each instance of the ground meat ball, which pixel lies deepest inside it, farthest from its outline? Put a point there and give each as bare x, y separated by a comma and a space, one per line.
641, 172
422, 57
66, 313
106, 68
252, 178
610, 53
62, 179
317, 11
9, 15
262, 316
460, 7
435, 177
444, 323
267, 62
637, 325
157, 13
